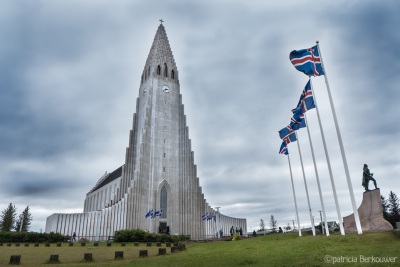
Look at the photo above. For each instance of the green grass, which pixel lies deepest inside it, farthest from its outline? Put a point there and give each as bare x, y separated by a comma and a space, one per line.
270, 250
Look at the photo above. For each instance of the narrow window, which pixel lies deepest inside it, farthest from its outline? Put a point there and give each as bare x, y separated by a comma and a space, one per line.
164, 155
163, 169
172, 74
163, 202
141, 79
165, 70
158, 70
164, 141
148, 72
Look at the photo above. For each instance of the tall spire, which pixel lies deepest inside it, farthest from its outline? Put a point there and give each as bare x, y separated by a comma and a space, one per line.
160, 53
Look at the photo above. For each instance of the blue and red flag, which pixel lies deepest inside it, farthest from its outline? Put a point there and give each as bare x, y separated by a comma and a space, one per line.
148, 214
285, 131
297, 121
306, 101
290, 138
283, 150
307, 61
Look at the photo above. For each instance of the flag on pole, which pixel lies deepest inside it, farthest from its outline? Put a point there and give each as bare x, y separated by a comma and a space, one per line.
283, 150
307, 61
285, 131
297, 121
306, 101
290, 138
148, 214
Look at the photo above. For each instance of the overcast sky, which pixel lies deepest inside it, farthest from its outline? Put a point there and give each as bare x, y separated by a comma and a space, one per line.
70, 75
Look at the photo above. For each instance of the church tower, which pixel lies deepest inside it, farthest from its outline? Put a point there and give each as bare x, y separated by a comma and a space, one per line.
159, 173
159, 170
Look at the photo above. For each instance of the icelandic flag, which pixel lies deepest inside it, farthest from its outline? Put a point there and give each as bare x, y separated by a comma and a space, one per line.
306, 101
297, 121
307, 61
149, 213
283, 150
204, 216
290, 138
157, 213
285, 131
152, 214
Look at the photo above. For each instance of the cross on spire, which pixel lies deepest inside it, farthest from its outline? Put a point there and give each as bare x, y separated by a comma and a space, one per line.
161, 21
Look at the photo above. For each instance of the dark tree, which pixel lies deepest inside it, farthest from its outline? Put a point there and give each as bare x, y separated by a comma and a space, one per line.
25, 218
262, 225
385, 208
273, 223
394, 209
7, 218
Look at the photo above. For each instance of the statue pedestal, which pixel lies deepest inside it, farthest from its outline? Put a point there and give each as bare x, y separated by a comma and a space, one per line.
370, 213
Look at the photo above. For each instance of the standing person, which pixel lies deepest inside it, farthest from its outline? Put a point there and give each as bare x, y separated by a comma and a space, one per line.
232, 231
241, 231
73, 236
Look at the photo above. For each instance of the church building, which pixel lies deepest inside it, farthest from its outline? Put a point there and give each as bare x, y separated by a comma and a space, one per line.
157, 187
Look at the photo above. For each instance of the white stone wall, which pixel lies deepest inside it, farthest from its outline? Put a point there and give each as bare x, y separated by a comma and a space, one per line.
95, 225
102, 197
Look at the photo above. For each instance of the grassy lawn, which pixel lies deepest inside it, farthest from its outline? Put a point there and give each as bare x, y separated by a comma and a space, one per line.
270, 250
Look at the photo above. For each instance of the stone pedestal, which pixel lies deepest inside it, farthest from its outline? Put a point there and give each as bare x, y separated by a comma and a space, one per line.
370, 213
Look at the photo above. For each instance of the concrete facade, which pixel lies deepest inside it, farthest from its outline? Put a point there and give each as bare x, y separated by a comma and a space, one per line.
159, 171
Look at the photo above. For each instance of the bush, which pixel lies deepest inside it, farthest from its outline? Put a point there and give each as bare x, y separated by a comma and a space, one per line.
149, 237
164, 238
138, 235
31, 237
131, 235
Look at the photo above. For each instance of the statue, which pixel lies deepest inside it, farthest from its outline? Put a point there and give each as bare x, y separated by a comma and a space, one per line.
367, 176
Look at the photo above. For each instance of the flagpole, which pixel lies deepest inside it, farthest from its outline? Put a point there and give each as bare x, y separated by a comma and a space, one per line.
305, 185
317, 176
328, 163
294, 195
346, 168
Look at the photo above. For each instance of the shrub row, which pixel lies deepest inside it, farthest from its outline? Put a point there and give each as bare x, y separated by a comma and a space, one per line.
139, 235
31, 237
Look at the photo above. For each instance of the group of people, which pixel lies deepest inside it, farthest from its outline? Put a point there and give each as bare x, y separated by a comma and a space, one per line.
232, 231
